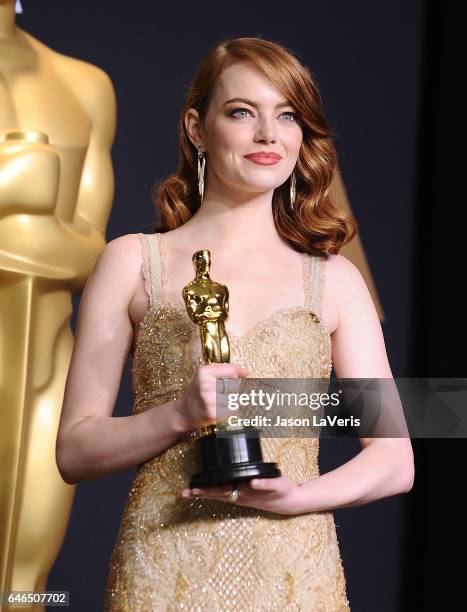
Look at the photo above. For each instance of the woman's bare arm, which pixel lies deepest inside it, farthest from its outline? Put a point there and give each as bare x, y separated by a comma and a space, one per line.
90, 441
384, 466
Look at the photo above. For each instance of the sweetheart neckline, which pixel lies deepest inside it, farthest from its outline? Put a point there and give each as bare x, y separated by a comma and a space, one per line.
237, 337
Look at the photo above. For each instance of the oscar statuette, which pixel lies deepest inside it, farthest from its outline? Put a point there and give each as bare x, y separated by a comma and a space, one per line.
235, 455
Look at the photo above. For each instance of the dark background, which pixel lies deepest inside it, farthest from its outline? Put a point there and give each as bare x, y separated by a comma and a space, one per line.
388, 77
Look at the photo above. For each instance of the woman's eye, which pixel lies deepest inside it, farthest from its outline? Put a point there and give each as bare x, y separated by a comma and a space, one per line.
244, 112
235, 113
292, 115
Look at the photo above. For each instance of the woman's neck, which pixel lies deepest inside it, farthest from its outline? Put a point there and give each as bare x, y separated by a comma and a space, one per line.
245, 223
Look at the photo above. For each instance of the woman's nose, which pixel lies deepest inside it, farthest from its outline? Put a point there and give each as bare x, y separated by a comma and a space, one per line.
266, 131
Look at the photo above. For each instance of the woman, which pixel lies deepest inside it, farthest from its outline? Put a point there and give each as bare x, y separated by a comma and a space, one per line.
252, 187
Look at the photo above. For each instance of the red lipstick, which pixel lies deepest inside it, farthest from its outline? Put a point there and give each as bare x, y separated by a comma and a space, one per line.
264, 158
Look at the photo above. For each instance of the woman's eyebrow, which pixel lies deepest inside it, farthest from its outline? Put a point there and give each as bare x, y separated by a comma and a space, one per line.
254, 104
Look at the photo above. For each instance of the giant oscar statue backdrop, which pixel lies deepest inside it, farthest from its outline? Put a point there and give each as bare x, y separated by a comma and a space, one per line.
57, 125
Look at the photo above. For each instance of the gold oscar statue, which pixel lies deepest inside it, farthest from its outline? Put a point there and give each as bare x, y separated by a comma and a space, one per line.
208, 305
57, 126
228, 454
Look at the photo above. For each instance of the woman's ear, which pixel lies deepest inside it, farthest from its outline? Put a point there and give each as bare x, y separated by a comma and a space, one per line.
193, 127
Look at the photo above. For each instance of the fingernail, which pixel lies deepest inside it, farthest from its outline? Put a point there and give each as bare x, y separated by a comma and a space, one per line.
196, 491
185, 493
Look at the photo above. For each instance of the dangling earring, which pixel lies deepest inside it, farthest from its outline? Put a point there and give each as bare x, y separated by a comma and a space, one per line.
201, 165
293, 183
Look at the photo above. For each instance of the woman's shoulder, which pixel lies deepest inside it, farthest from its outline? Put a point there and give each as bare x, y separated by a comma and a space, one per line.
128, 245
344, 281
124, 255
340, 267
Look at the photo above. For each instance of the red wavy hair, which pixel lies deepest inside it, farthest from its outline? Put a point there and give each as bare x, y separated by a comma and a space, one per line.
316, 225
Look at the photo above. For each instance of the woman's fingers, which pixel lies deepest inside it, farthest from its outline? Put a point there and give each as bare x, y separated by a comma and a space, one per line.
223, 490
269, 485
263, 485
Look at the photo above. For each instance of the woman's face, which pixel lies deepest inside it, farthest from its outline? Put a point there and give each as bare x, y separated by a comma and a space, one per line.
247, 115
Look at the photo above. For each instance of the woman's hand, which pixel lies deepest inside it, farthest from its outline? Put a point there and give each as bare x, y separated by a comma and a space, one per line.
197, 407
279, 495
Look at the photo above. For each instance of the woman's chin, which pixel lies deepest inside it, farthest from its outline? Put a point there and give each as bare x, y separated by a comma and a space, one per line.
252, 185
257, 186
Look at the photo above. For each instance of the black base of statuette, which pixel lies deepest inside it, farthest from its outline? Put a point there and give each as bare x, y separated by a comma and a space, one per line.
235, 456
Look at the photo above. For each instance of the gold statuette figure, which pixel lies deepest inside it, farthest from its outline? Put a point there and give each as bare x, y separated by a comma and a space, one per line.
236, 455
207, 303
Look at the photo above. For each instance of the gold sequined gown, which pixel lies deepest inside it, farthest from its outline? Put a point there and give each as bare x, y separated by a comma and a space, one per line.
173, 553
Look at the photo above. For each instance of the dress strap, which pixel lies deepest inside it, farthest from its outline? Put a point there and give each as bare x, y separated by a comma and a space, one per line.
152, 268
316, 278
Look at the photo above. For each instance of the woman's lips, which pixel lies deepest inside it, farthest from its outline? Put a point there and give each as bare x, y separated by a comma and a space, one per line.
264, 160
